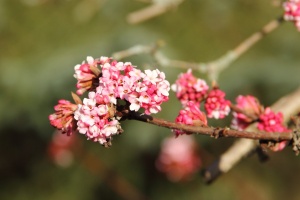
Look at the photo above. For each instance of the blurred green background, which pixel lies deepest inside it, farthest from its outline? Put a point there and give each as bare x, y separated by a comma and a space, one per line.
42, 40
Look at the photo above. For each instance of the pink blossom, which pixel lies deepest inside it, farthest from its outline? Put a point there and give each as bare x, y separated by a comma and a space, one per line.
60, 149
190, 115
63, 118
178, 158
248, 104
292, 12
216, 105
189, 88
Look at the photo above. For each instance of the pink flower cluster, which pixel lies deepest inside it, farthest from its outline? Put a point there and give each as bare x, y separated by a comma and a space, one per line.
190, 115
109, 82
60, 149
188, 88
178, 158
292, 12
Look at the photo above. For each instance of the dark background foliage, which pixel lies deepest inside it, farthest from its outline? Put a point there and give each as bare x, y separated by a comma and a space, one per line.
42, 40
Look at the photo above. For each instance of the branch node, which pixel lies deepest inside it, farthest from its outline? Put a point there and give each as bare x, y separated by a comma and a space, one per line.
216, 133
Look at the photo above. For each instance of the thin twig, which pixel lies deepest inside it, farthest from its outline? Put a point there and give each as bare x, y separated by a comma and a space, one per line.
157, 8
213, 68
211, 131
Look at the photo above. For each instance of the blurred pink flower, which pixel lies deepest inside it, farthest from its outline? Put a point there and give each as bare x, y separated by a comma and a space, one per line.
60, 149
178, 158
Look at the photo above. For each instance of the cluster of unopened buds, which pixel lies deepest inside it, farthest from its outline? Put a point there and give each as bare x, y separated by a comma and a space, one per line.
112, 88
191, 92
292, 12
179, 158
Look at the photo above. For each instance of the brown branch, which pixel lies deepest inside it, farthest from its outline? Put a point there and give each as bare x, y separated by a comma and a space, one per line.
211, 131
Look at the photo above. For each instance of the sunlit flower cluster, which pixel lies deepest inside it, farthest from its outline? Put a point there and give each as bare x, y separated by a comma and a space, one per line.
292, 12
178, 158
142, 90
108, 83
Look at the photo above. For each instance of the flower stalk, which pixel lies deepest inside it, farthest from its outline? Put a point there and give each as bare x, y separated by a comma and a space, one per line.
212, 131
